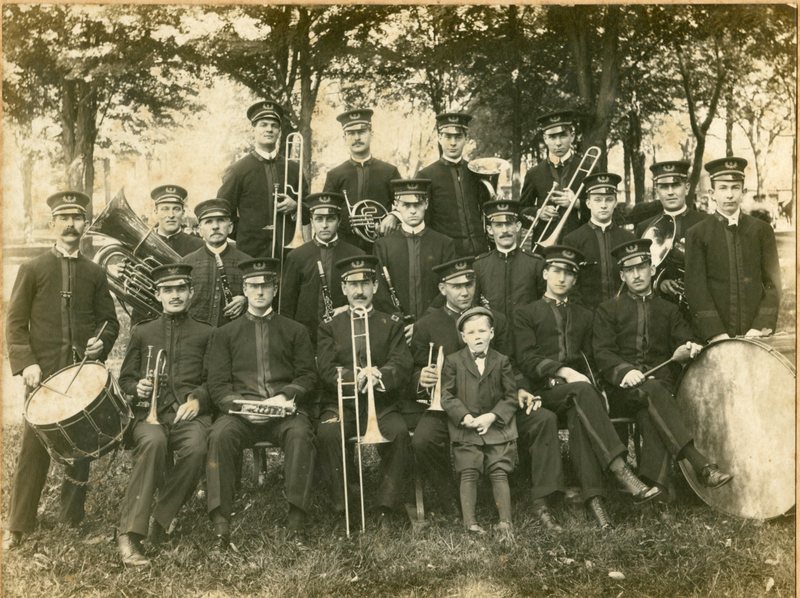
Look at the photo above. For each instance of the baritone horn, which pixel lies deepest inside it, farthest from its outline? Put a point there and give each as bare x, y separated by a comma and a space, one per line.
372, 433
488, 171
552, 229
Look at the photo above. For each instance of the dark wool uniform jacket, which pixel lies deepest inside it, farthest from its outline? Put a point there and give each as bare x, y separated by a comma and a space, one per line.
208, 300
454, 209
37, 320
301, 287
634, 333
389, 353
467, 392
182, 243
598, 279
549, 337
255, 358
367, 181
510, 280
410, 261
733, 278
249, 185
438, 326
186, 342
538, 183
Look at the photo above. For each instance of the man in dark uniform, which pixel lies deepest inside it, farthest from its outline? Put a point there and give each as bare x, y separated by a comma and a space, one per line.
558, 133
391, 370
59, 302
553, 346
411, 253
216, 278
598, 279
183, 413
253, 184
668, 229
168, 210
362, 176
431, 441
733, 278
633, 333
507, 276
268, 360
301, 296
457, 193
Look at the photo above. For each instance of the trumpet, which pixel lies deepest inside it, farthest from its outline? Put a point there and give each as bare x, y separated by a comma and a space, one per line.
372, 433
156, 375
365, 217
264, 410
550, 237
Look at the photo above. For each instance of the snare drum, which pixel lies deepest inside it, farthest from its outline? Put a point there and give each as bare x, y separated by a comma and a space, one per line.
738, 397
85, 422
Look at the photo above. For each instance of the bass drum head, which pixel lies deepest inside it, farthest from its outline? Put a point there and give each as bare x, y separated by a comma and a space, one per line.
46, 406
738, 399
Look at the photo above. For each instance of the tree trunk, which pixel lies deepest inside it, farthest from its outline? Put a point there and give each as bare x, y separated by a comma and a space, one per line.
626, 172
516, 117
637, 155
729, 120
78, 135
106, 177
28, 160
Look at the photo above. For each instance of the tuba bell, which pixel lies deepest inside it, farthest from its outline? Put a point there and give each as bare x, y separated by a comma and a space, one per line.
128, 253
488, 171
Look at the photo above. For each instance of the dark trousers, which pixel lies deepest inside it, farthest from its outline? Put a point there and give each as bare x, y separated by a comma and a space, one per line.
660, 423
395, 454
431, 445
231, 434
538, 441
33, 464
593, 441
153, 447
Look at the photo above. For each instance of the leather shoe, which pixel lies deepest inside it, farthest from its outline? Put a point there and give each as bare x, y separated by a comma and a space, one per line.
598, 509
548, 521
476, 530
156, 534
640, 491
12, 540
131, 551
712, 477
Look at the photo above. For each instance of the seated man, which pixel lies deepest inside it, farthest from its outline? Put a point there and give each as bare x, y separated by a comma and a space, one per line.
260, 362
391, 370
633, 333
553, 341
183, 413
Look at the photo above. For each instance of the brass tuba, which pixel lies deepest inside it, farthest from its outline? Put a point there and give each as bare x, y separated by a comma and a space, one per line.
129, 251
488, 171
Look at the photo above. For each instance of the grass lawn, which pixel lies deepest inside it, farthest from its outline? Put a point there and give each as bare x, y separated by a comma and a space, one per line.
680, 549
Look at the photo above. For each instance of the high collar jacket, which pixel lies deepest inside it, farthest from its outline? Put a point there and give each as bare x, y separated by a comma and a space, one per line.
509, 280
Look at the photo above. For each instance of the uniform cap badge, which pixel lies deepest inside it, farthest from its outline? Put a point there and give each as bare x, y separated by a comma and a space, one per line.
730, 164
461, 266
668, 167
260, 266
603, 179
170, 189
357, 264
355, 115
70, 198
569, 254
630, 249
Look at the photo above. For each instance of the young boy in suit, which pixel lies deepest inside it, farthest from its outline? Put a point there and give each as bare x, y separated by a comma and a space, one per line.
479, 394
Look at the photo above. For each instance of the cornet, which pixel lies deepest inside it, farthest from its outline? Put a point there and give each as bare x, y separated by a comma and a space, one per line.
372, 434
436, 394
157, 374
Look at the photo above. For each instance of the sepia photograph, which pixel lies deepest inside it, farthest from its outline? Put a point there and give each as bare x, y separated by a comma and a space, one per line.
273, 272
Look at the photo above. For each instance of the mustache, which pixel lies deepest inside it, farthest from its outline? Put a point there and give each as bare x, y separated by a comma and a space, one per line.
361, 297
69, 229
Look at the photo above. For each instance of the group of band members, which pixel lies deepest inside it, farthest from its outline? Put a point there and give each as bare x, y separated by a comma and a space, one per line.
521, 333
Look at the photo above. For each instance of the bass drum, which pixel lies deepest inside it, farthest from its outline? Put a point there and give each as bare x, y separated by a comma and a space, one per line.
738, 397
86, 421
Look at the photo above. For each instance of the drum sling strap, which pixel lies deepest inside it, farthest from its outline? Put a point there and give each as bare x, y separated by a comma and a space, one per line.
68, 352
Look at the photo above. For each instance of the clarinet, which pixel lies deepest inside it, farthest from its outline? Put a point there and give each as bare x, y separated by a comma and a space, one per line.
327, 300
223, 279
395, 299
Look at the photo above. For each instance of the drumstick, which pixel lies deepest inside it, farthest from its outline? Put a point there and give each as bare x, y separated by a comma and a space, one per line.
85, 357
50, 388
664, 364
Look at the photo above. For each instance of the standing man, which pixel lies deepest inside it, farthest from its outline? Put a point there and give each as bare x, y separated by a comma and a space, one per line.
553, 346
59, 303
266, 359
733, 278
183, 413
361, 176
558, 133
632, 334
668, 229
411, 253
508, 277
302, 296
598, 280
168, 210
216, 279
249, 185
391, 370
457, 193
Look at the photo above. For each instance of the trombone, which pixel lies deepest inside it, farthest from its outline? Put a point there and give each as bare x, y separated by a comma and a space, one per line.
550, 237
372, 433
